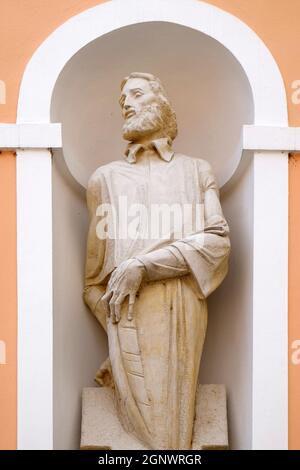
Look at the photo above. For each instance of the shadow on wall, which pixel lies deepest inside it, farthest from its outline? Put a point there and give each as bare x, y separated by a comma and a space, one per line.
79, 342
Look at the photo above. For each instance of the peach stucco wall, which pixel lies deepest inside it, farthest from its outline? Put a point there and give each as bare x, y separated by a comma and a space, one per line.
8, 301
24, 25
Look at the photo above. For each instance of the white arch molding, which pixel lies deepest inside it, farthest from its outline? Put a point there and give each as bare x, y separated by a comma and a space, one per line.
35, 343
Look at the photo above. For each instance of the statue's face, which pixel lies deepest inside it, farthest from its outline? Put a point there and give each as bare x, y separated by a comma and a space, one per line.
136, 94
141, 109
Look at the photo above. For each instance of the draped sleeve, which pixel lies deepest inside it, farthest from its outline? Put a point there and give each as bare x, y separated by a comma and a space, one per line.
206, 252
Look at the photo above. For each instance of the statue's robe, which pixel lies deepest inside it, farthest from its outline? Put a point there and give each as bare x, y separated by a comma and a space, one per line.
155, 358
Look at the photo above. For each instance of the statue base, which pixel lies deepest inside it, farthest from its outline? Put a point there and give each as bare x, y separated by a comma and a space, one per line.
101, 429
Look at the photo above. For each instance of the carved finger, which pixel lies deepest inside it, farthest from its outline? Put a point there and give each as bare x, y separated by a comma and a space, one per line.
105, 299
112, 303
130, 306
118, 306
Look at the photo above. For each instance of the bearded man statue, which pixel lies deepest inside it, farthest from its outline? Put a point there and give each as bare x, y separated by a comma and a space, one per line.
147, 278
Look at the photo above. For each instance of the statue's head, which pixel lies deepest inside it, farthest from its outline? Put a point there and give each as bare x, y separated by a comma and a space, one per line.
146, 109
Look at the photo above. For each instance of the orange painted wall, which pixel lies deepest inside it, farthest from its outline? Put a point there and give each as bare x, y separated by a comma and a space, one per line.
8, 300
24, 25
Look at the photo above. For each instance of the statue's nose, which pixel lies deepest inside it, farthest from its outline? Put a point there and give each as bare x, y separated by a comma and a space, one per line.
129, 101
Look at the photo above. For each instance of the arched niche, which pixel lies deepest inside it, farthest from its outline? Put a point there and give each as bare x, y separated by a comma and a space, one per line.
212, 98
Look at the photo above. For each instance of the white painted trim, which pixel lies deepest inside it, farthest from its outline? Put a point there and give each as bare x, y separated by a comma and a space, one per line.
18, 136
270, 302
286, 139
270, 109
34, 266
22, 136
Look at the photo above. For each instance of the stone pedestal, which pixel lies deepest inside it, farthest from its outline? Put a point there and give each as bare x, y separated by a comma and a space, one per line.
101, 428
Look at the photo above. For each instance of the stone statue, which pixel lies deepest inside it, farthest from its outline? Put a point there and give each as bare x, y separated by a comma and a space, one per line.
146, 279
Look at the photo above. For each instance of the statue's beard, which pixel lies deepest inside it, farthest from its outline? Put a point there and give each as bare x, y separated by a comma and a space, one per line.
148, 121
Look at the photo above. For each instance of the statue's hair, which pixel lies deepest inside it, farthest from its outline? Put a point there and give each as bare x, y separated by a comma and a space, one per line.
158, 89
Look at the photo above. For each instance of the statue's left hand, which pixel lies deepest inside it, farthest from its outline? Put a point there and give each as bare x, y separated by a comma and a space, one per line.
124, 281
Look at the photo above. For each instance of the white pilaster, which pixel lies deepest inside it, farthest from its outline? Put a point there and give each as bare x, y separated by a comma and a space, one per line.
34, 248
270, 305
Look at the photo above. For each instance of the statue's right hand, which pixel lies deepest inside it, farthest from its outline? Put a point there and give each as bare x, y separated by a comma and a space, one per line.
113, 301
124, 282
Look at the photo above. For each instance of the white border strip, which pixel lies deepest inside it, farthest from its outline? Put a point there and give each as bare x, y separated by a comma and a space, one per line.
270, 302
35, 343
22, 136
18, 136
286, 139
